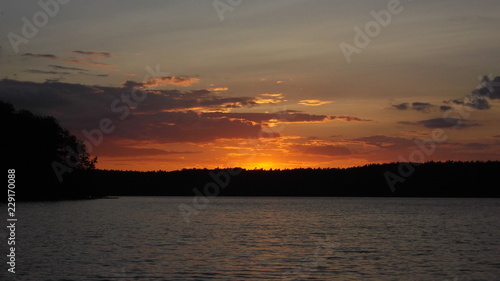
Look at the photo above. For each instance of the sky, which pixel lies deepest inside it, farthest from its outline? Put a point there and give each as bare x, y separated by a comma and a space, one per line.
167, 85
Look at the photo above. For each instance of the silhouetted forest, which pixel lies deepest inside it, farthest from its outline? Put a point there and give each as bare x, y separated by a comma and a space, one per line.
36, 145
432, 179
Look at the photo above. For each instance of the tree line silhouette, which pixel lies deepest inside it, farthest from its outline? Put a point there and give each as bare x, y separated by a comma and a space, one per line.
431, 179
32, 143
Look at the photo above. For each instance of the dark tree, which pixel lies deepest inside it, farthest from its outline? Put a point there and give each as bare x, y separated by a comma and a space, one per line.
34, 145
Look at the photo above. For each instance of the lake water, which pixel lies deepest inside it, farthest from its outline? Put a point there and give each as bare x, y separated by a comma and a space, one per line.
148, 238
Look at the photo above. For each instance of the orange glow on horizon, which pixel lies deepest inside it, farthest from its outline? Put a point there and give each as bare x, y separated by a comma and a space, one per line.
138, 164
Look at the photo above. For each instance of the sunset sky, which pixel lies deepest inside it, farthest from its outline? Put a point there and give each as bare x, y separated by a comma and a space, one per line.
253, 83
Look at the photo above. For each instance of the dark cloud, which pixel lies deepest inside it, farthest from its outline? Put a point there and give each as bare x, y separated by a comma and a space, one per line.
445, 107
480, 97
132, 84
163, 116
417, 106
480, 103
473, 101
456, 123
70, 103
490, 88
456, 101
171, 127
402, 106
422, 106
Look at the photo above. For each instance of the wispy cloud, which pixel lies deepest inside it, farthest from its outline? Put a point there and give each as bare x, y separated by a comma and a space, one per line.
45, 56
183, 81
273, 95
83, 61
96, 74
86, 62
59, 67
218, 89
91, 53
286, 116
88, 58
349, 118
276, 117
417, 106
37, 71
67, 68
442, 123
270, 98
313, 102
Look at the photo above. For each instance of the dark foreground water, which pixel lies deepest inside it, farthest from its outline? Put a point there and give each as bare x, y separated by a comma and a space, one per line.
146, 238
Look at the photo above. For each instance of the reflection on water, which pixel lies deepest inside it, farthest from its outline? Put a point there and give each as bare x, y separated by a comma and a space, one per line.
147, 238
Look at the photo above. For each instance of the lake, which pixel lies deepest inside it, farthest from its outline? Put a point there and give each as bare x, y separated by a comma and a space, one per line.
236, 238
